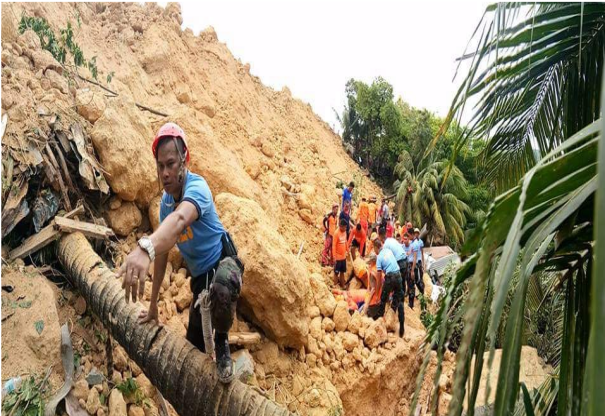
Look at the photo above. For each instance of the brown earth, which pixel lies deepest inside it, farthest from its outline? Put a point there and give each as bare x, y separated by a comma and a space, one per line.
272, 165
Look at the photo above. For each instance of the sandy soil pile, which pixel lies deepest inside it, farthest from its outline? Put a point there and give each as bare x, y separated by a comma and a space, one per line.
271, 163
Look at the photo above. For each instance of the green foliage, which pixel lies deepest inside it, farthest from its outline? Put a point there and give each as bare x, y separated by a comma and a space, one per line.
61, 46
428, 197
390, 137
543, 224
77, 359
130, 388
426, 317
39, 325
101, 336
27, 400
537, 81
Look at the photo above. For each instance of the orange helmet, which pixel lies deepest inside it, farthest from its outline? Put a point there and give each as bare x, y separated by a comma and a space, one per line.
170, 129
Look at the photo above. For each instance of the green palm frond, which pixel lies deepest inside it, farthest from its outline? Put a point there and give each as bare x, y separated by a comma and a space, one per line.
541, 224
537, 81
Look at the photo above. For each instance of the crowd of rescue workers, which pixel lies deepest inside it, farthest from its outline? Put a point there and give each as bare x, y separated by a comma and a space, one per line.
385, 256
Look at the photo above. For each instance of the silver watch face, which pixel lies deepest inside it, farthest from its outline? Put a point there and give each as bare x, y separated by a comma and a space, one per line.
145, 243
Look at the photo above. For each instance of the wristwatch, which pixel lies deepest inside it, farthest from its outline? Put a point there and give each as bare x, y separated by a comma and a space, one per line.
146, 244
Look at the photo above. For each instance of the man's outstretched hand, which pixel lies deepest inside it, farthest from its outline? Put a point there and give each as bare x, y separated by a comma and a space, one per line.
150, 315
134, 274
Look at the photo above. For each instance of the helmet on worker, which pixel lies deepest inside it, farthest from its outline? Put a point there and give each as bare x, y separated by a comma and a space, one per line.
174, 131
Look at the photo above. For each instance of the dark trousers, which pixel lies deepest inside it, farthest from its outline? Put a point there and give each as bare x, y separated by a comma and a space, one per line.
393, 282
403, 266
195, 331
414, 279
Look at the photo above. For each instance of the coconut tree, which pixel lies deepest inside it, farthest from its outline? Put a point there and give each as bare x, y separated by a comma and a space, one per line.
421, 198
536, 80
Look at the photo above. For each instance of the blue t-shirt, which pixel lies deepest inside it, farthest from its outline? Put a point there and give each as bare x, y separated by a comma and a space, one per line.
408, 251
395, 247
346, 196
386, 262
200, 243
417, 246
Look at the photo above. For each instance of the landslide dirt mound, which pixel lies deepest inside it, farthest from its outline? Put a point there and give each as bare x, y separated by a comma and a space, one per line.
260, 148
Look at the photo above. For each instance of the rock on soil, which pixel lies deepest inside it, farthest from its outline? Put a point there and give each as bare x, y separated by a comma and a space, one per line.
90, 104
376, 334
341, 316
117, 405
122, 141
322, 295
93, 402
276, 290
124, 219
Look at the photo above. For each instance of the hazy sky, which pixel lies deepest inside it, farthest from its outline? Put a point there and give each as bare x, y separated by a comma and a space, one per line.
314, 47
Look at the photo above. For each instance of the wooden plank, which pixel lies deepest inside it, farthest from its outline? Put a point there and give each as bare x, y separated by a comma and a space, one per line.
90, 230
244, 338
35, 242
46, 236
76, 211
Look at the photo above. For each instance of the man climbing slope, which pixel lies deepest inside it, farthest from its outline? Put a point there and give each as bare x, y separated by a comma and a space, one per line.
188, 219
347, 195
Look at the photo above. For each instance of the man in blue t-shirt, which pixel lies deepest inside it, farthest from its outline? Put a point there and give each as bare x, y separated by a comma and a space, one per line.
396, 249
387, 264
416, 271
347, 195
188, 219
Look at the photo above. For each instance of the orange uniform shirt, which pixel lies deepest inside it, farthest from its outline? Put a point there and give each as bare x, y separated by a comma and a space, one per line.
360, 236
372, 212
339, 245
363, 212
331, 225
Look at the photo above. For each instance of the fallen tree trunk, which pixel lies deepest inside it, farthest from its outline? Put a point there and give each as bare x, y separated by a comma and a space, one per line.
185, 376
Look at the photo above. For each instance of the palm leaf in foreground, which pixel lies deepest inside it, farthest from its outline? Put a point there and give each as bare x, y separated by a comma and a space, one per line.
528, 225
536, 82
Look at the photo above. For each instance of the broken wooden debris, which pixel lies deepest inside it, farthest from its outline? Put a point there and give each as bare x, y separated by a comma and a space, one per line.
53, 231
35, 242
90, 230
244, 338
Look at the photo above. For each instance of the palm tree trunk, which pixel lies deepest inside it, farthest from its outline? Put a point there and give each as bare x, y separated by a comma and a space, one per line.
185, 376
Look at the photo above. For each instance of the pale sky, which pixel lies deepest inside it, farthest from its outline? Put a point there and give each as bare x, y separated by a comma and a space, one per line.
314, 47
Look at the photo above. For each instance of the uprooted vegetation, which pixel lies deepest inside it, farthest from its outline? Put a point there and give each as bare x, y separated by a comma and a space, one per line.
272, 165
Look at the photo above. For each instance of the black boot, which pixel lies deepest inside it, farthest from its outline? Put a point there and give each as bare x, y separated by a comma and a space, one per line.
224, 365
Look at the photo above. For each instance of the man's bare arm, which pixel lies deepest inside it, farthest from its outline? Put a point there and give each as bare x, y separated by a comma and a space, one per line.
167, 234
